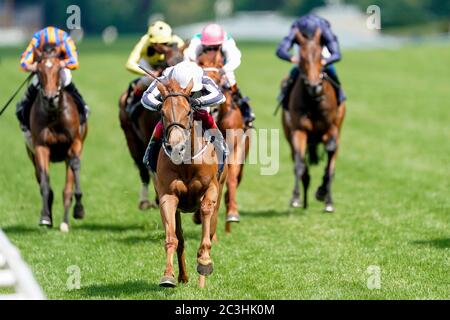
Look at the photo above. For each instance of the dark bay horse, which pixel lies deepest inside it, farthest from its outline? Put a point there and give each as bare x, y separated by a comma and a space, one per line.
138, 129
314, 117
231, 123
186, 180
56, 135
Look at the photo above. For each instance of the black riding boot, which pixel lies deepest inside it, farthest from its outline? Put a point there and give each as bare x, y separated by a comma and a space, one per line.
244, 106
151, 154
81, 104
23, 107
220, 146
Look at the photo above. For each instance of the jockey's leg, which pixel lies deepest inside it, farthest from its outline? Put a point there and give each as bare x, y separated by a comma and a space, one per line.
23, 107
240, 100
211, 128
286, 87
151, 153
69, 86
332, 73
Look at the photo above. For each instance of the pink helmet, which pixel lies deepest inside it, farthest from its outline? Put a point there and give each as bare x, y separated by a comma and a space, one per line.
212, 35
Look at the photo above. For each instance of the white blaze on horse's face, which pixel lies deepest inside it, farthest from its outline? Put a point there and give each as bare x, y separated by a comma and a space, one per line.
177, 141
48, 64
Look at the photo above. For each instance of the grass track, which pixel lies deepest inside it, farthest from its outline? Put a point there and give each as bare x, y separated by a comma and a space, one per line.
391, 192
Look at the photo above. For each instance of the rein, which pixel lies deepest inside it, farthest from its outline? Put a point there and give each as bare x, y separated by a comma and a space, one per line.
15, 93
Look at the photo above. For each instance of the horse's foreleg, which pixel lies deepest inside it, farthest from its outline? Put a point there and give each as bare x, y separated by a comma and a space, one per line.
42, 159
182, 275
207, 210
232, 214
299, 143
67, 197
168, 207
75, 165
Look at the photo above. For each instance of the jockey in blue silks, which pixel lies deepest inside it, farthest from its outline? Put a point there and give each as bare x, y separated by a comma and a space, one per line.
308, 25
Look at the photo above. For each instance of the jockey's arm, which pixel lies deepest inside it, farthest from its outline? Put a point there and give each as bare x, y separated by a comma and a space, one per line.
136, 55
331, 42
286, 45
151, 99
70, 52
214, 95
232, 56
190, 54
27, 60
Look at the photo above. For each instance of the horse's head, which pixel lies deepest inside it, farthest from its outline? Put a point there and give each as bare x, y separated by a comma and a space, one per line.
311, 62
48, 67
212, 64
177, 118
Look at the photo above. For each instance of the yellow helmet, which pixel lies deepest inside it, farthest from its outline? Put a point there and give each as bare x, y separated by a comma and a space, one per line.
160, 32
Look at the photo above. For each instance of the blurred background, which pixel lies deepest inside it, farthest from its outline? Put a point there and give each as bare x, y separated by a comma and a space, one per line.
401, 20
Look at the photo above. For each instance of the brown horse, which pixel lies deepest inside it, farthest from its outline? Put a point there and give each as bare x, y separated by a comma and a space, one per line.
313, 117
231, 124
186, 180
138, 130
56, 135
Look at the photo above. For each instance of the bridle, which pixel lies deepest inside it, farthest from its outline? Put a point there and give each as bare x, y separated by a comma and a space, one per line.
39, 75
165, 145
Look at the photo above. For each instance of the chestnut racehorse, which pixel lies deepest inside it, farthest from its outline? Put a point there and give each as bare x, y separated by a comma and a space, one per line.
183, 185
313, 117
138, 129
231, 124
56, 135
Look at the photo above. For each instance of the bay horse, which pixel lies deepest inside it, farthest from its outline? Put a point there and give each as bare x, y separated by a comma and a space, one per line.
186, 186
138, 129
231, 123
56, 136
314, 117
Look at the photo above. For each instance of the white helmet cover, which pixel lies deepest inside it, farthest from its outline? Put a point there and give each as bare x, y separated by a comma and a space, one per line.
186, 71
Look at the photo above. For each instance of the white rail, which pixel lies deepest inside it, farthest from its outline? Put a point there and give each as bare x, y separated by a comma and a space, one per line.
15, 274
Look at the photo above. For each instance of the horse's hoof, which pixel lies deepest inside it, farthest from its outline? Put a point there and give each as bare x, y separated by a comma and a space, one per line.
46, 222
145, 205
78, 211
321, 194
197, 218
183, 279
295, 203
233, 218
64, 227
205, 270
329, 208
167, 282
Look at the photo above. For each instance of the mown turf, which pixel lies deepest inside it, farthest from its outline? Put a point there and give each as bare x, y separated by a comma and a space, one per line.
391, 192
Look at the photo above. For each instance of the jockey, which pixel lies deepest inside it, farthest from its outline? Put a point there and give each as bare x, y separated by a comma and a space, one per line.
204, 94
69, 61
148, 53
308, 25
214, 37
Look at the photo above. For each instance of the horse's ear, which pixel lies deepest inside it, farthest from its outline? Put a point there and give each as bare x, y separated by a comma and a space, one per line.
162, 88
189, 87
300, 38
317, 35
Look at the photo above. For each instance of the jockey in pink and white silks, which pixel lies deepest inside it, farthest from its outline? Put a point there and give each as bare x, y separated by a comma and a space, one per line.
213, 38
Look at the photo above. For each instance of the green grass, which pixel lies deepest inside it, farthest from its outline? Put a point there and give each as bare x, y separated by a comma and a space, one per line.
391, 191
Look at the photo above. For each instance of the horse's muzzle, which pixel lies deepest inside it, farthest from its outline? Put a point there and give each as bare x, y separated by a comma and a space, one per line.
315, 89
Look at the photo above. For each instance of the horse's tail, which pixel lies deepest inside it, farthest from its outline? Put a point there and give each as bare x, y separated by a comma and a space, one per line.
313, 156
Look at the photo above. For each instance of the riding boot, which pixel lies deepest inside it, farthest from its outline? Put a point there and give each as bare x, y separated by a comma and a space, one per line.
151, 154
220, 146
23, 107
286, 88
244, 106
331, 72
83, 109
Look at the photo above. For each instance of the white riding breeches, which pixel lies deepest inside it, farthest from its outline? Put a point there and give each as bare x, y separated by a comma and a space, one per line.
231, 78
